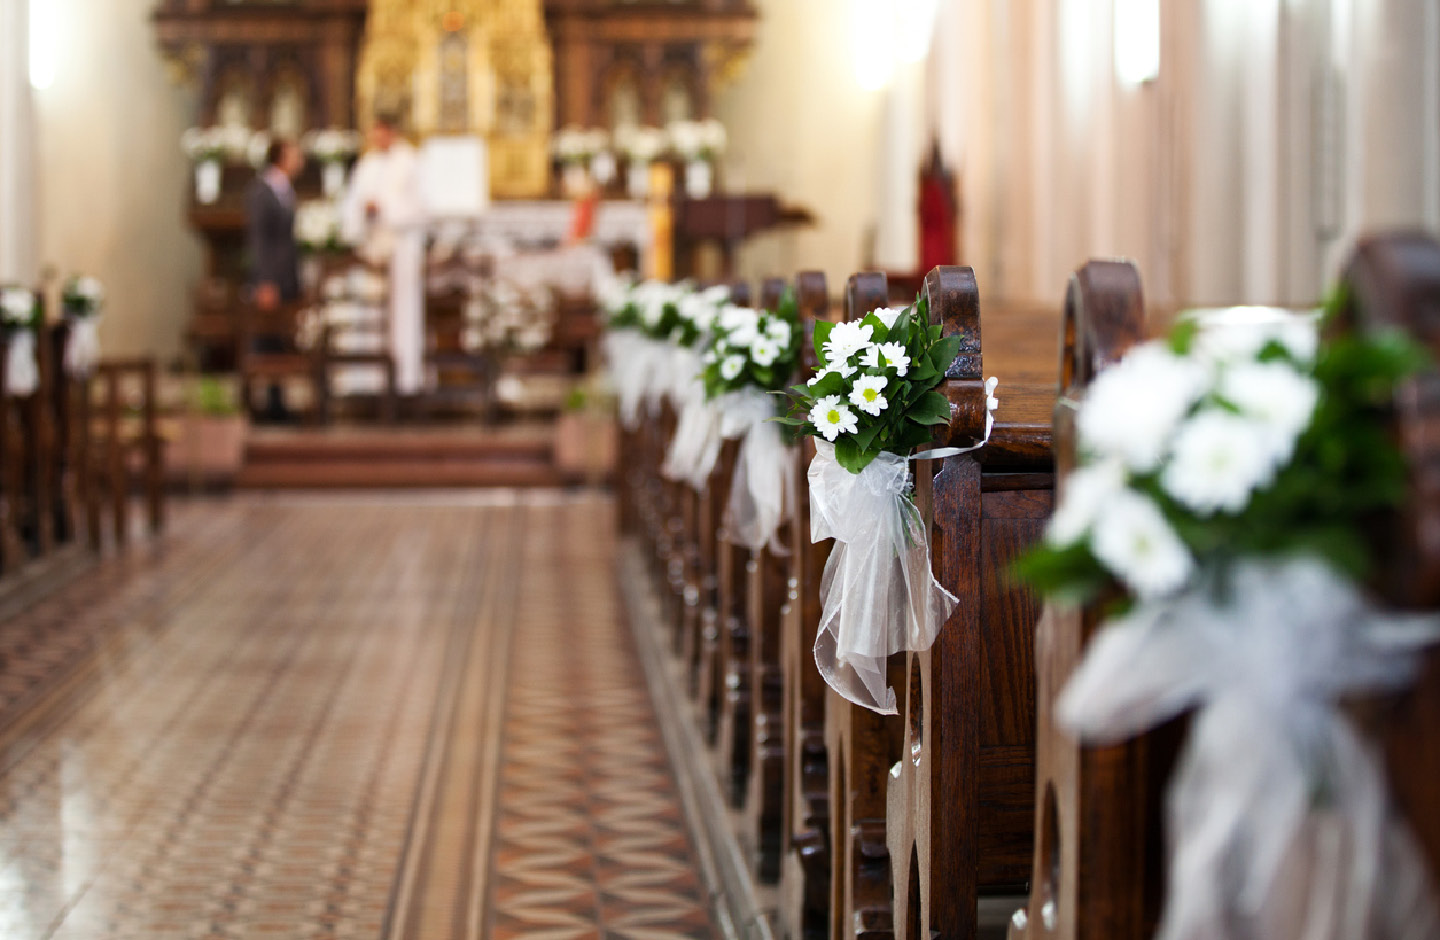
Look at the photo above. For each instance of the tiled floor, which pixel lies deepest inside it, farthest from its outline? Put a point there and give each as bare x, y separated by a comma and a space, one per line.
387, 717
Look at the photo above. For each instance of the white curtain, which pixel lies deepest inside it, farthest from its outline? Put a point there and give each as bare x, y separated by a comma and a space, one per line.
17, 143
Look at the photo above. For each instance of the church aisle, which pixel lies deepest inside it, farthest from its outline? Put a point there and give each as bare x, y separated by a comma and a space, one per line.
287, 722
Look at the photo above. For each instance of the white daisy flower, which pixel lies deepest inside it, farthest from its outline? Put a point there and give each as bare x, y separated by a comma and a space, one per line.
888, 315
1277, 396
866, 394
1132, 409
846, 339
1133, 539
831, 418
1220, 459
1233, 334
779, 330
1086, 492
764, 351
843, 369
887, 356
731, 367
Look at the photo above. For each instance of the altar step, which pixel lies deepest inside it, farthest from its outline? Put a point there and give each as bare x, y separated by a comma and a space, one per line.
383, 458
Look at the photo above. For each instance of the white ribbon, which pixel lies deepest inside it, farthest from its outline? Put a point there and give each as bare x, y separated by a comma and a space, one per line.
636, 363
878, 593
696, 444
1279, 819
22, 372
764, 471
82, 349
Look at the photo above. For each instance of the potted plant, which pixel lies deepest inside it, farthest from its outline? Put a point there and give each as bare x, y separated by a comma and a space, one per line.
585, 442
211, 446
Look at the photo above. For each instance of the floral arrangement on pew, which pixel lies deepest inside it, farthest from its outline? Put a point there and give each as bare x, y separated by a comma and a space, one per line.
20, 314
870, 405
1225, 476
752, 355
81, 300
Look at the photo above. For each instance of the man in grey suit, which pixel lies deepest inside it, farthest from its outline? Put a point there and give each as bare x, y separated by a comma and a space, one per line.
274, 255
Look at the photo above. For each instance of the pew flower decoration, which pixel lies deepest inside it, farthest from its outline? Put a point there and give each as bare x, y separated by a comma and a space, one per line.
753, 354
82, 299
1224, 480
688, 320
20, 310
872, 402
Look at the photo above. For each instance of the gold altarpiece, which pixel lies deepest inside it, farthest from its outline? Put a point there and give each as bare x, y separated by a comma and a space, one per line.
479, 67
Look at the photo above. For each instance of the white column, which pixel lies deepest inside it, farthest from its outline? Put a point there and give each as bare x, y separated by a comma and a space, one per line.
17, 143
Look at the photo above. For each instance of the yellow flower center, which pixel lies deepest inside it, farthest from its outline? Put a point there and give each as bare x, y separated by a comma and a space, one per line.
833, 416
871, 394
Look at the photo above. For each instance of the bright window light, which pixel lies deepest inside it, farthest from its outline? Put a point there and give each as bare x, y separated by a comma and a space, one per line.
43, 47
1137, 41
914, 27
874, 48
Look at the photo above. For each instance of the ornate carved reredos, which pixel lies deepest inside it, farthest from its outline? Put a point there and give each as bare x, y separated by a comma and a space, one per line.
465, 67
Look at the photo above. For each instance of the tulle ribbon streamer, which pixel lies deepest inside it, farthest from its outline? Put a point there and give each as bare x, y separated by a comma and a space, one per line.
878, 592
764, 471
22, 372
1278, 811
82, 349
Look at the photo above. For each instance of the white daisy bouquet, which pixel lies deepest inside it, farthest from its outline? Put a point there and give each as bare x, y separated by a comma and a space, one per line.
82, 296
751, 355
871, 404
1240, 435
875, 389
753, 349
20, 314
1225, 479
19, 308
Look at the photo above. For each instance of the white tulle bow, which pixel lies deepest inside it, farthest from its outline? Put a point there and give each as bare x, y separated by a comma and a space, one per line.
82, 349
637, 364
696, 444
22, 372
878, 592
1280, 825
764, 471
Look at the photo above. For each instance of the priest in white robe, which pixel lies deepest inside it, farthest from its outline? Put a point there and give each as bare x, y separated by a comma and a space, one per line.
384, 214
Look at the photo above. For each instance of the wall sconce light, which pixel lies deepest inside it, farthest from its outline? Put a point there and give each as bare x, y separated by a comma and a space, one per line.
1137, 41
43, 47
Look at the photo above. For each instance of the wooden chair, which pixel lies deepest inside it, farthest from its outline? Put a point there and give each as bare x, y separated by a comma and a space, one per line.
960, 800
805, 850
362, 344
450, 289
116, 442
281, 358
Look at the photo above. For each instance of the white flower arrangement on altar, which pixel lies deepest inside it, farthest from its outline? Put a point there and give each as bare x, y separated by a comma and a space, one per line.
697, 140
574, 146
220, 144
1224, 480
641, 144
332, 145
872, 402
317, 227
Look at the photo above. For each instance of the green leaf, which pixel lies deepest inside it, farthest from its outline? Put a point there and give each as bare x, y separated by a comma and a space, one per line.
932, 408
822, 333
943, 353
850, 455
789, 421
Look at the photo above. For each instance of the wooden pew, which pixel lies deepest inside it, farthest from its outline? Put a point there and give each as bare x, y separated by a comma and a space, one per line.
960, 800
1394, 280
768, 592
805, 803
861, 748
1096, 819
742, 627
